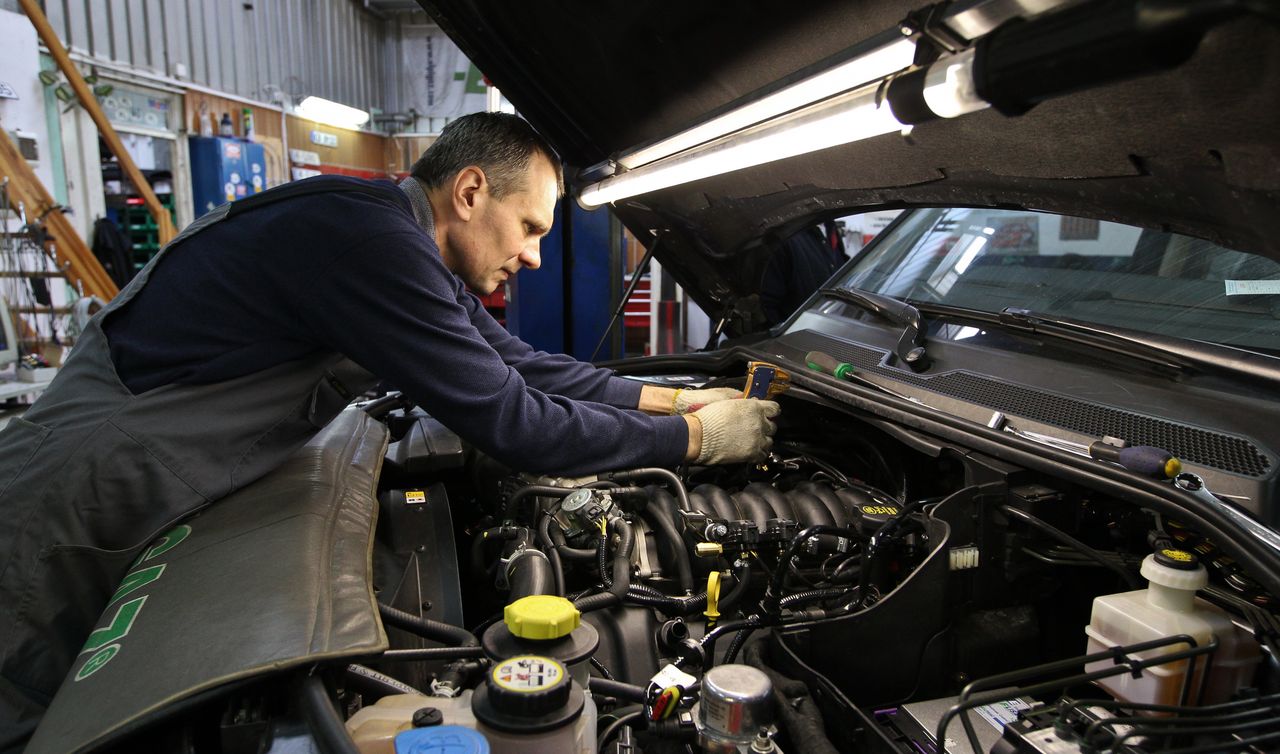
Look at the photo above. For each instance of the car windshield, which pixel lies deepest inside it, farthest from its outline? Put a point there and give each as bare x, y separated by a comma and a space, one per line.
1075, 268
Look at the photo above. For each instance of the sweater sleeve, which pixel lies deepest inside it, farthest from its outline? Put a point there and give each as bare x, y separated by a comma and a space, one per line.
557, 374
392, 306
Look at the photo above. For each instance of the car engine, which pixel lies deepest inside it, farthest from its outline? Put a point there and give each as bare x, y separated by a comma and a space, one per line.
865, 588
868, 587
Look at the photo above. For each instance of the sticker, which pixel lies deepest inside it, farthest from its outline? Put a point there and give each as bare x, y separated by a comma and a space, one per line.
241, 189
1001, 714
415, 497
1252, 287
673, 676
231, 150
528, 673
229, 190
257, 183
235, 177
256, 167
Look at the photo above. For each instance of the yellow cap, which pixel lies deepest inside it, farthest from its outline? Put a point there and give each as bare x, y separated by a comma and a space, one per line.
541, 616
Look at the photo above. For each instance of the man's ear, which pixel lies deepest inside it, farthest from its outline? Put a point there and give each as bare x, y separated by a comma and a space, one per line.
469, 187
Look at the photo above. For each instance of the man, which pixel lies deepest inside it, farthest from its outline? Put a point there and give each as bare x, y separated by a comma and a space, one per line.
256, 326
806, 260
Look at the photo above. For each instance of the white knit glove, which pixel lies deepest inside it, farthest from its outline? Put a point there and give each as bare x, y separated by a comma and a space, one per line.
691, 400
736, 431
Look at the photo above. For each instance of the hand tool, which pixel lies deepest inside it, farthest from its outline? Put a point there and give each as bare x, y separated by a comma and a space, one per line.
765, 381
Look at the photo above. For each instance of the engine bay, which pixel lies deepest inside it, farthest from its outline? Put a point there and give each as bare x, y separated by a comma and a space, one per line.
866, 588
879, 585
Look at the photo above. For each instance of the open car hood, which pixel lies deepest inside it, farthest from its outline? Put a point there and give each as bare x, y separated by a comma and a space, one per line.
1193, 149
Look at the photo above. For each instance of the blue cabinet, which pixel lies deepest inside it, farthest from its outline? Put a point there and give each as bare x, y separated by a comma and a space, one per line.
224, 170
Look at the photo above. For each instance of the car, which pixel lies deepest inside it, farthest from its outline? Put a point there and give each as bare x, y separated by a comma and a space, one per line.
1023, 493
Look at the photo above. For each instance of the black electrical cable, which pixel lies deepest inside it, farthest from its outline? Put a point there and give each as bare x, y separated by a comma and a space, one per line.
625, 691
427, 628
621, 578
813, 595
773, 594
601, 669
323, 719
736, 645
1133, 581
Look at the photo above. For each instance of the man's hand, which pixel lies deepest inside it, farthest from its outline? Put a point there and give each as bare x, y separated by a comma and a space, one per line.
664, 400
731, 431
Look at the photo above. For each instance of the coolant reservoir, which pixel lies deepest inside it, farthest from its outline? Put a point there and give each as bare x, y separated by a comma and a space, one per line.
1167, 607
375, 727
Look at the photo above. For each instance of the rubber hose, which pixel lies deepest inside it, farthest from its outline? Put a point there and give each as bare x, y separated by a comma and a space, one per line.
621, 572
369, 681
495, 534
540, 490
627, 692
530, 574
322, 717
650, 473
427, 628
567, 552
553, 554
428, 653
660, 517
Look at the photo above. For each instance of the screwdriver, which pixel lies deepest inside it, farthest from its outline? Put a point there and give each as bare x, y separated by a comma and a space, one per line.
1147, 460
825, 362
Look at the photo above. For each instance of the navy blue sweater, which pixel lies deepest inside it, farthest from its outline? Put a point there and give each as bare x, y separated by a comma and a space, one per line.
356, 274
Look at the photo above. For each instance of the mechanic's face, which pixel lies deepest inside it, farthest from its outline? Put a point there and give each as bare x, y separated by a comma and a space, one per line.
503, 235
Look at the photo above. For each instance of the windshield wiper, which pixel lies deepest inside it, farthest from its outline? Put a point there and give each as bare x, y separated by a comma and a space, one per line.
1168, 353
910, 348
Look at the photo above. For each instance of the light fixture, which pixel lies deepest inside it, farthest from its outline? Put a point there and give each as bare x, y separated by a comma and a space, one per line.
332, 113
871, 66
946, 88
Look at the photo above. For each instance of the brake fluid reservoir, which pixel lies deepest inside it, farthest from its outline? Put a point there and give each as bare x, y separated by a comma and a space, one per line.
1168, 607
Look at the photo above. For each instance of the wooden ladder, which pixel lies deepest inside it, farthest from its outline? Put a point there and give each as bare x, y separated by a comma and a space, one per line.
68, 250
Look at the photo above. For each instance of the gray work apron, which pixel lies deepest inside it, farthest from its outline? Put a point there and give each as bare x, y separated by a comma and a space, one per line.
92, 473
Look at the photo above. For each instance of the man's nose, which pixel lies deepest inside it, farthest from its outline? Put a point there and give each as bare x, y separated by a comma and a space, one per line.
531, 257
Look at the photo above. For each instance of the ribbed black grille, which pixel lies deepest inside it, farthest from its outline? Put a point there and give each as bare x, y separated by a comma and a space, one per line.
1191, 444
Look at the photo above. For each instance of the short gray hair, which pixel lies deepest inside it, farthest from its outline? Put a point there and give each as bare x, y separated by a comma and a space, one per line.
500, 144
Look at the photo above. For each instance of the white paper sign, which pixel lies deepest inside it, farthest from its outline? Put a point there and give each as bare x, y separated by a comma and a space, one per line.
1252, 287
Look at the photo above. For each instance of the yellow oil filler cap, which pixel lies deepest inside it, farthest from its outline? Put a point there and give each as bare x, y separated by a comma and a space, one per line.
541, 616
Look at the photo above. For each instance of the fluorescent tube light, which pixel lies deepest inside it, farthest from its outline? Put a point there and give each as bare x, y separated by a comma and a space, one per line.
945, 89
871, 66
333, 113
846, 118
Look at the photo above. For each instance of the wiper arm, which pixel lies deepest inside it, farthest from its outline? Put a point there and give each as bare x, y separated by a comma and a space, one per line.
1169, 353
910, 349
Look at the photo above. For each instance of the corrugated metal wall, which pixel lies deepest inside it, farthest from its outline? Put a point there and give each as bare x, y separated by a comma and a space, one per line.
329, 48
